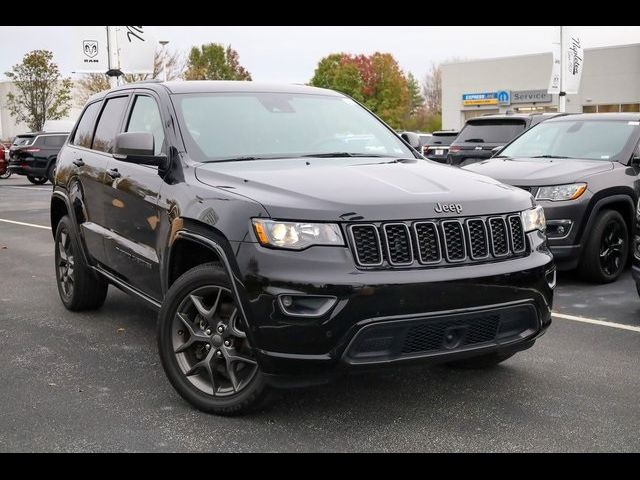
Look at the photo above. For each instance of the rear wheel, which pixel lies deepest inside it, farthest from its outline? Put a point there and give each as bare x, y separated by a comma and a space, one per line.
37, 180
6, 174
483, 361
605, 254
79, 287
203, 346
51, 172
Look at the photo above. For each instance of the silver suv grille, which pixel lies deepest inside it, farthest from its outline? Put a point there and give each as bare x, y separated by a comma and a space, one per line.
443, 242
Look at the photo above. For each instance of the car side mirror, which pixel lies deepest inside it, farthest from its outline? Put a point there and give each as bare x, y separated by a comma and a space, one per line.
412, 139
495, 151
137, 147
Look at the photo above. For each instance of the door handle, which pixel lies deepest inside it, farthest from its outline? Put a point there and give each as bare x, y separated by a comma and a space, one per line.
114, 173
78, 162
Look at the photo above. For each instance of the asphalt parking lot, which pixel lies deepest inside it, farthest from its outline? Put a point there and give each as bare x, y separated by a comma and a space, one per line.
93, 382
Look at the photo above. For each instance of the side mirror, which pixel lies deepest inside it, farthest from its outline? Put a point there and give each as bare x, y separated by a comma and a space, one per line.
412, 139
137, 147
495, 151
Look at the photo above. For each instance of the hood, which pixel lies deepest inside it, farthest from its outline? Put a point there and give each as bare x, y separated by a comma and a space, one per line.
539, 171
334, 189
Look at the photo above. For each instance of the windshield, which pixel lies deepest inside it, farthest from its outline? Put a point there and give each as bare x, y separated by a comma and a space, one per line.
226, 126
588, 140
490, 131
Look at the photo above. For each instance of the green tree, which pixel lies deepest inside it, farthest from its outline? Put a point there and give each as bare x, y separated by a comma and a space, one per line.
416, 100
42, 92
375, 80
215, 62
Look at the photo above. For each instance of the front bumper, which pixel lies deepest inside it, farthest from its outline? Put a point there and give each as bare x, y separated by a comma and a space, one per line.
394, 300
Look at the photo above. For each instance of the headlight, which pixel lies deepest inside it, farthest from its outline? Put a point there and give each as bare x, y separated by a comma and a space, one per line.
561, 192
533, 219
296, 235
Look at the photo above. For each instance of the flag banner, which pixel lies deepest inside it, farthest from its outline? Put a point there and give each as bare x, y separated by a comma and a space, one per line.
90, 52
573, 60
554, 81
136, 49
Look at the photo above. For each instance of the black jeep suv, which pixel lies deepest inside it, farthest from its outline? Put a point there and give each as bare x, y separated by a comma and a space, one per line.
480, 136
286, 234
584, 170
34, 155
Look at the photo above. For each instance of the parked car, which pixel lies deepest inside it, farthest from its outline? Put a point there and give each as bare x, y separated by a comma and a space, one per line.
480, 136
4, 164
287, 235
34, 155
585, 171
437, 147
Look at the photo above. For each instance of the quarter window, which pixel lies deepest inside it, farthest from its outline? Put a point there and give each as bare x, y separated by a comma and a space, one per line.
109, 124
84, 132
145, 117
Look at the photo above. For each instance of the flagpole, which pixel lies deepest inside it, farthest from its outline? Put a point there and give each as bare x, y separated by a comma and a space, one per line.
562, 96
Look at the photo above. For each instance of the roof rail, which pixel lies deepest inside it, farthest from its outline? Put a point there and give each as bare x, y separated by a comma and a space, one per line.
149, 80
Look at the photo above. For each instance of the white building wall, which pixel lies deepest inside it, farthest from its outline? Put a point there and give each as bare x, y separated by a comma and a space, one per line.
611, 75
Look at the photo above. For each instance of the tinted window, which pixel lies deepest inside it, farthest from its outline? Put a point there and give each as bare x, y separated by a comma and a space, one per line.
145, 117
497, 131
219, 126
53, 140
442, 138
109, 124
590, 140
84, 132
22, 141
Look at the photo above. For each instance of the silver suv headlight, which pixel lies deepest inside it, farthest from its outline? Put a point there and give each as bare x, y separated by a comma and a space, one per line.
533, 219
296, 235
557, 193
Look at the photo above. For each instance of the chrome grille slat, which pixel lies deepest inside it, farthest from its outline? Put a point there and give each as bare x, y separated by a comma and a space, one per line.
441, 242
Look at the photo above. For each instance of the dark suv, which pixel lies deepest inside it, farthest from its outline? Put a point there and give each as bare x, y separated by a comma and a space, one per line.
584, 170
285, 235
480, 136
436, 147
35, 154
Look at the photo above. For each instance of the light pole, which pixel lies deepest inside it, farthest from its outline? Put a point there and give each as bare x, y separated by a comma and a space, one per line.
164, 59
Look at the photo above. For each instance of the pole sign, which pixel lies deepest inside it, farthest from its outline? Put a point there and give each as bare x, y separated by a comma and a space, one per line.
136, 49
90, 49
573, 60
530, 96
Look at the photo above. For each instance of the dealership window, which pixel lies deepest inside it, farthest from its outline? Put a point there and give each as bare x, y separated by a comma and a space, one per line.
611, 107
537, 109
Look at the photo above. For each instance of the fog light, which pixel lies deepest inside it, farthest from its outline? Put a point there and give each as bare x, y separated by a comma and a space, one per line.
306, 305
287, 301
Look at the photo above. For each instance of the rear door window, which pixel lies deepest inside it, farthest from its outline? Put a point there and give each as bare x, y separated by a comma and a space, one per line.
491, 131
109, 124
84, 133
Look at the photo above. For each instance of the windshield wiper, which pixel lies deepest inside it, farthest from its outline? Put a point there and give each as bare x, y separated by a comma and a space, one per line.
342, 154
474, 140
549, 156
501, 156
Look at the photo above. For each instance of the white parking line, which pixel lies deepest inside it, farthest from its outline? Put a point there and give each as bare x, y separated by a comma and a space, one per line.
25, 224
621, 326
27, 188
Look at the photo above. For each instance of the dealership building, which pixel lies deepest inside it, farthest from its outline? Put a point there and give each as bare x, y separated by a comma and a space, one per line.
610, 83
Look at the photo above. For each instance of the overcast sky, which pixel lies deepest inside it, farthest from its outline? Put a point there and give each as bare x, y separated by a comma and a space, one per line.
290, 54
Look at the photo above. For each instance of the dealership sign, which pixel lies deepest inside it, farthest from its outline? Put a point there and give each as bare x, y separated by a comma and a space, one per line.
530, 96
488, 98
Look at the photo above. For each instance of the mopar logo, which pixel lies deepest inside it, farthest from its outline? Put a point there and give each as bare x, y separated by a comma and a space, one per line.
448, 208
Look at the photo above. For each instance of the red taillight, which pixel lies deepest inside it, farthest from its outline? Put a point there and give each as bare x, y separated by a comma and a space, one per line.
455, 149
32, 150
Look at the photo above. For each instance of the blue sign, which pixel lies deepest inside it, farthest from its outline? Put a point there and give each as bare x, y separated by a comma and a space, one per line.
478, 96
504, 97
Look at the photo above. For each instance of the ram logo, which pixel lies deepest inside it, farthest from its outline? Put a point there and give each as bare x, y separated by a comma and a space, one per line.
90, 48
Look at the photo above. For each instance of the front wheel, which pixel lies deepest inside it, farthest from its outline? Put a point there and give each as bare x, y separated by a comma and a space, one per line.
607, 249
37, 180
203, 346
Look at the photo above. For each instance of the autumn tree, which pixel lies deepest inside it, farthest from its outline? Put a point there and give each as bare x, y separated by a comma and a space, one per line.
91, 83
215, 62
42, 93
375, 80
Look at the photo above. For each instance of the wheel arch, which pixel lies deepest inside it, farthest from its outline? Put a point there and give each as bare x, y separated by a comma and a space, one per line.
622, 201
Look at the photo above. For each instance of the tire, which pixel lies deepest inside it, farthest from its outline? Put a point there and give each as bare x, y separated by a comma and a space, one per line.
483, 361
5, 175
79, 287
196, 362
37, 180
51, 172
606, 269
